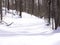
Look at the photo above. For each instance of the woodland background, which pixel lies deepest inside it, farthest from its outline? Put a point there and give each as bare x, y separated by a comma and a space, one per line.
40, 8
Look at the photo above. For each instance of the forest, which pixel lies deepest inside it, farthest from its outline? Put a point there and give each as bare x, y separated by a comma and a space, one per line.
40, 8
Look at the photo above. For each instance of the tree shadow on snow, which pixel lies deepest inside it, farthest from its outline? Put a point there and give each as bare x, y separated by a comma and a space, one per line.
57, 43
52, 32
7, 34
46, 33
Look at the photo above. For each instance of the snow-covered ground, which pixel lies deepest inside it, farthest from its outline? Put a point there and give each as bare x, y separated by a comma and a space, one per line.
28, 30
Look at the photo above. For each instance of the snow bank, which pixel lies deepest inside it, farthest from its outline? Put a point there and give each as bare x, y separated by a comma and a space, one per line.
28, 30
28, 24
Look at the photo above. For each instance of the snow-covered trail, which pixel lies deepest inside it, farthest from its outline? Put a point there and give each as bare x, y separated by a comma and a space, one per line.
30, 40
28, 24
28, 30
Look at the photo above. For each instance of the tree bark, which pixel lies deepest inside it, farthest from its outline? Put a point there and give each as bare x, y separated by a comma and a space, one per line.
0, 10
20, 8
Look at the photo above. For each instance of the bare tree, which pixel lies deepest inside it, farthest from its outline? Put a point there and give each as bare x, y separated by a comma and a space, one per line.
49, 4
32, 6
1, 10
56, 14
8, 5
38, 7
20, 8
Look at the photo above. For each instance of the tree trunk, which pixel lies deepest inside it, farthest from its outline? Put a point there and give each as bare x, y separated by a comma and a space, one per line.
49, 4
8, 5
0, 10
20, 8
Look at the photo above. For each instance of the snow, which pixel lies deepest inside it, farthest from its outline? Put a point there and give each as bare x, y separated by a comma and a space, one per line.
28, 30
